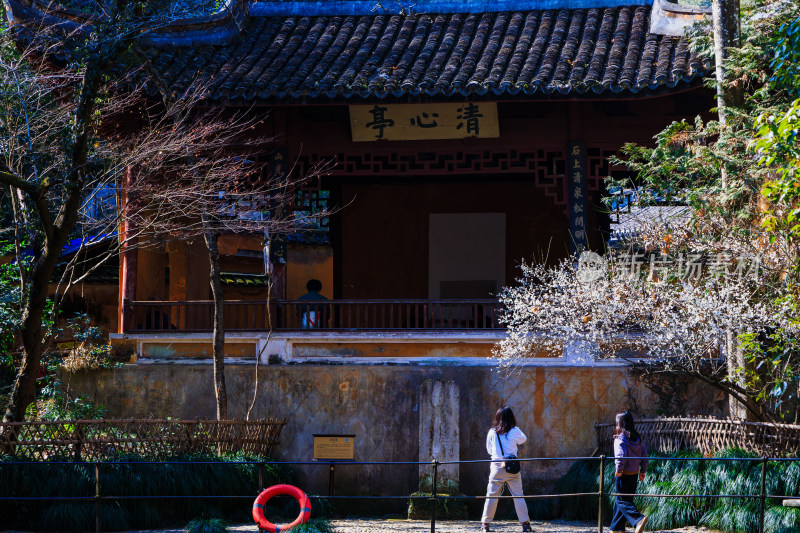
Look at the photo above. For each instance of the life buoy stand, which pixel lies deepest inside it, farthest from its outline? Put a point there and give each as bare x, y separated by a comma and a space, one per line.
281, 490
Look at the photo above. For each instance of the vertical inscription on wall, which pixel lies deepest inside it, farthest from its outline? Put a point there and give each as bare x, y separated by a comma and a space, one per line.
277, 171
576, 193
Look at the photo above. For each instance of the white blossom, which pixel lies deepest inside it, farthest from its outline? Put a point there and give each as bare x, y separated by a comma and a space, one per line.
647, 306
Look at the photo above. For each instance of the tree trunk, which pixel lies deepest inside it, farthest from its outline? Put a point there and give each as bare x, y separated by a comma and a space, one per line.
725, 15
219, 326
24, 390
31, 332
739, 409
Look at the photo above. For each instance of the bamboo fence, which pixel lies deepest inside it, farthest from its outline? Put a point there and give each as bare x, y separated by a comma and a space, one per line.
709, 435
100, 439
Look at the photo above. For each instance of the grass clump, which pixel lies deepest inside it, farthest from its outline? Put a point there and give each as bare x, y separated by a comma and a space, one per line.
320, 525
207, 525
420, 508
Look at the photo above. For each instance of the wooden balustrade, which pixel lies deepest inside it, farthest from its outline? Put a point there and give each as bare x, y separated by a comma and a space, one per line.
244, 315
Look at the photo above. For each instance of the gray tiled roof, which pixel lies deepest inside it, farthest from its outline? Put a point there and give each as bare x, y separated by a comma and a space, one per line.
524, 54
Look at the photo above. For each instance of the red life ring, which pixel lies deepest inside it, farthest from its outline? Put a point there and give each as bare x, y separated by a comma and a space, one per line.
281, 490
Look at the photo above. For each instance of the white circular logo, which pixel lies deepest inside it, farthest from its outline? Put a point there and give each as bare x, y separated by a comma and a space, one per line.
591, 267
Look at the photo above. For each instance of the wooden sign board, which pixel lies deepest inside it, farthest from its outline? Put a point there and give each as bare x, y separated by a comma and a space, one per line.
339, 447
415, 122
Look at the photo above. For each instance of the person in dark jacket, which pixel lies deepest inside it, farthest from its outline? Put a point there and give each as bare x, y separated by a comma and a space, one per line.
630, 460
313, 315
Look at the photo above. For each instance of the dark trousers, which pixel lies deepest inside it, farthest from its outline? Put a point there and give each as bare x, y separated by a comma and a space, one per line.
623, 506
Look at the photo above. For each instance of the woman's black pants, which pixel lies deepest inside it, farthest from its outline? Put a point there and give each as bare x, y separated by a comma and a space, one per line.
623, 506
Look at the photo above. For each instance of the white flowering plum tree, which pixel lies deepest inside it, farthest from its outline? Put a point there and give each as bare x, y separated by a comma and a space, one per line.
674, 313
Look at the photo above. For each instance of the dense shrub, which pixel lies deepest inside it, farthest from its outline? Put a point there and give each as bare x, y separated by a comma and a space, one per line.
734, 515
136, 476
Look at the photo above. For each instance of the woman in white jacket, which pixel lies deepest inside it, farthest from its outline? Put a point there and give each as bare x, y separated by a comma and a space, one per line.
503, 438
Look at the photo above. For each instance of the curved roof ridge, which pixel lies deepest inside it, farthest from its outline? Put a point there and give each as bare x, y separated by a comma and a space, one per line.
424, 7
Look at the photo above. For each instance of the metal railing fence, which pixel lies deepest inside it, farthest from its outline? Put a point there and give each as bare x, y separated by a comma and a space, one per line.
433, 497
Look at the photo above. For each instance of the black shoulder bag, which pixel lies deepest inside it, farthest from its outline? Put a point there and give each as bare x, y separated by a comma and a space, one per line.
511, 463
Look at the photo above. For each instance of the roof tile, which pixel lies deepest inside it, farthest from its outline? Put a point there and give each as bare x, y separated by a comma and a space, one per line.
544, 52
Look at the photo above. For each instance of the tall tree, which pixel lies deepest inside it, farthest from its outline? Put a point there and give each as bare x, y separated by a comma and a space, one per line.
224, 186
61, 84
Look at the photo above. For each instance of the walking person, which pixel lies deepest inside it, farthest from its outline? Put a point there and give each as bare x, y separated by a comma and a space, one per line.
501, 442
629, 471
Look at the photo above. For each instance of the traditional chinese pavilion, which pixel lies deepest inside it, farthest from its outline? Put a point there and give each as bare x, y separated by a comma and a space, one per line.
465, 138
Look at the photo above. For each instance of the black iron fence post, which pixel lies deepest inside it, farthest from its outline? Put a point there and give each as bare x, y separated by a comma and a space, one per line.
331, 474
261, 477
97, 518
763, 494
433, 495
600, 494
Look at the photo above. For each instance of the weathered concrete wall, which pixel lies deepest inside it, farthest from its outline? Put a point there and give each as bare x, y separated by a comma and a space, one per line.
556, 406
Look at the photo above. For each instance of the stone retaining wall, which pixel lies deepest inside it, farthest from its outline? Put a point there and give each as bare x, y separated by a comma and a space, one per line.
557, 408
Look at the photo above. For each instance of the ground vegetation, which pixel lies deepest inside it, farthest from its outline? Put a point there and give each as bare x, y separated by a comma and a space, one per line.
195, 475
682, 477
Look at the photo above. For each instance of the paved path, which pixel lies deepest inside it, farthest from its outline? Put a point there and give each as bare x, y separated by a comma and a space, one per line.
419, 526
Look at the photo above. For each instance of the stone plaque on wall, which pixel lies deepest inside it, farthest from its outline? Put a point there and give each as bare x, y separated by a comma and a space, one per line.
338, 447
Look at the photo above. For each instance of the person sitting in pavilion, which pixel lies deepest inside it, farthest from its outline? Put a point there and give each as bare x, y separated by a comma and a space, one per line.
313, 315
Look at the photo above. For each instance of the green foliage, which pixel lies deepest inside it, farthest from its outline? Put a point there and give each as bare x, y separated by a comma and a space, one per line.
776, 145
582, 476
786, 61
420, 509
207, 525
775, 374
87, 350
216, 476
314, 526
704, 477
741, 183
10, 312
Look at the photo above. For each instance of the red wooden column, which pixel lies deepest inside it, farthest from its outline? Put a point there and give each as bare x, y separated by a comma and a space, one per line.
280, 163
128, 261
